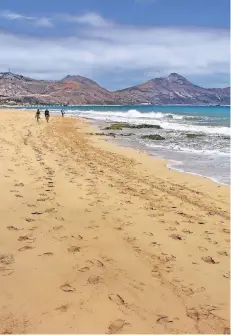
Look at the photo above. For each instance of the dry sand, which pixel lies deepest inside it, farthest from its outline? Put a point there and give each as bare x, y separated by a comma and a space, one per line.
95, 238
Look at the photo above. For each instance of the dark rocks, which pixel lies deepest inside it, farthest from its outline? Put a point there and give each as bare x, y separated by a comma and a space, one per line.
128, 134
154, 137
194, 135
122, 125
117, 126
103, 134
141, 126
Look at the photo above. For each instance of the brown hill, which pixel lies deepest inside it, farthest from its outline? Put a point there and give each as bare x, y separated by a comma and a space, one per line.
173, 89
74, 90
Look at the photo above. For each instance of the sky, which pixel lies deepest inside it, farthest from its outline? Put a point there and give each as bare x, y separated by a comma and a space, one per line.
118, 43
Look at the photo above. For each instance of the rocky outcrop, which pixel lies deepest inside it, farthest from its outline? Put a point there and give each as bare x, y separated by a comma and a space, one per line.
74, 90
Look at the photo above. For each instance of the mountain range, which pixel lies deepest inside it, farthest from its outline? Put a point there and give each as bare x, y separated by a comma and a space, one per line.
77, 90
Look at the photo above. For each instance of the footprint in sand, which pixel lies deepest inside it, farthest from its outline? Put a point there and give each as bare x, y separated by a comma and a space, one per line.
193, 314
84, 269
187, 290
171, 229
162, 319
203, 249
47, 254
5, 271
116, 298
94, 280
12, 228
155, 244
67, 288
26, 247
33, 228
29, 219
62, 308
177, 237
50, 210
226, 231
6, 259
25, 238
118, 228
209, 259
187, 231
223, 253
73, 249
19, 185
117, 326
99, 263
57, 227
227, 275
148, 233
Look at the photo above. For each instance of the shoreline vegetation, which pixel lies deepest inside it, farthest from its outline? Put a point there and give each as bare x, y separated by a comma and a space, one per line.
96, 238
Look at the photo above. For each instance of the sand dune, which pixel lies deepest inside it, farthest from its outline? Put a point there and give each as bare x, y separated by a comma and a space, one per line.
96, 238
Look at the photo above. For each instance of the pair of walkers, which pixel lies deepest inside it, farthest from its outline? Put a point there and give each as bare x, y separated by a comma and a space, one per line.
46, 113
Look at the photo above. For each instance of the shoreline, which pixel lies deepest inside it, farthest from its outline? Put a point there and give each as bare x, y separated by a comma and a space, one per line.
213, 179
98, 238
103, 105
169, 162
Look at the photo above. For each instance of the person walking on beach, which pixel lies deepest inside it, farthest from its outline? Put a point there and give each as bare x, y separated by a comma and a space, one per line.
37, 115
47, 114
62, 112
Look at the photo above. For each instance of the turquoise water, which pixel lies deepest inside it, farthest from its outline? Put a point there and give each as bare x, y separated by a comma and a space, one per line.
207, 155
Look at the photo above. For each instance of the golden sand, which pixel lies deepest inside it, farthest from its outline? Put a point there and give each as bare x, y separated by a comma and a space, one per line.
95, 238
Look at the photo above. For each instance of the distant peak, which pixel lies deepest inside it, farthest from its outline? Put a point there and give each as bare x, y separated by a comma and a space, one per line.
10, 75
79, 79
175, 77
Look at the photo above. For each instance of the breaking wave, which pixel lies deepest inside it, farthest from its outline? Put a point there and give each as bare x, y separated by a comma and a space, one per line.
168, 121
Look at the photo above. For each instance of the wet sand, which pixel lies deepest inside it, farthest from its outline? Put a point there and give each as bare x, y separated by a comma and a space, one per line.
95, 238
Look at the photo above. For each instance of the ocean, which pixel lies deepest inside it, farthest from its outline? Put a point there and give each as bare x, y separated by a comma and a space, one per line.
207, 155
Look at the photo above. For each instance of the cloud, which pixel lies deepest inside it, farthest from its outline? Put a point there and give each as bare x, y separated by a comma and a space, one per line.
44, 22
119, 51
39, 21
91, 19
14, 16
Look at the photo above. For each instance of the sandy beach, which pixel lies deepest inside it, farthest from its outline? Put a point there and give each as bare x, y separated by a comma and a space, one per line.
96, 238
